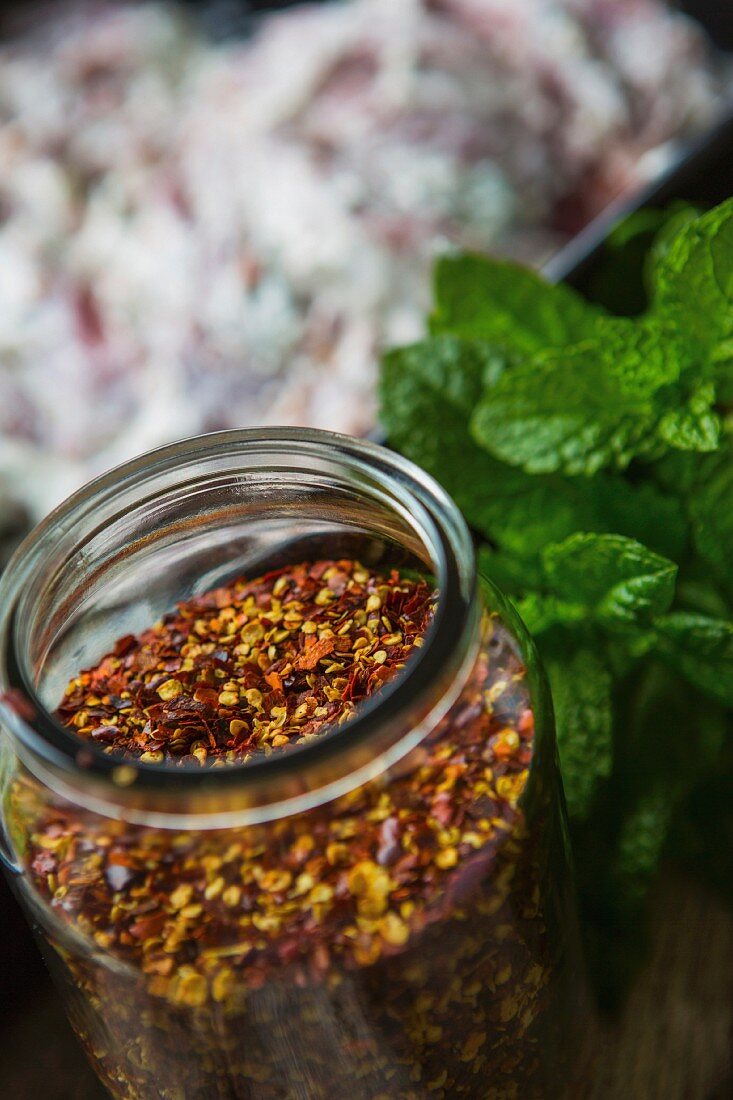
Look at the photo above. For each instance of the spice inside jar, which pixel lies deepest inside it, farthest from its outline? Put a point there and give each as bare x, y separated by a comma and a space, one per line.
369, 944
252, 667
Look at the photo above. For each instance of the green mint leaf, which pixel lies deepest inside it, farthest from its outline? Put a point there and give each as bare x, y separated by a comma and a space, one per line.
541, 612
427, 392
607, 579
711, 511
693, 426
522, 514
640, 846
704, 485
701, 648
693, 280
640, 357
670, 223
456, 370
699, 595
640, 510
502, 302
581, 693
583, 408
552, 507
512, 574
576, 442
621, 280
619, 580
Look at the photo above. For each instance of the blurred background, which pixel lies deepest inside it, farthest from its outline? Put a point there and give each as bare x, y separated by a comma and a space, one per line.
212, 215
217, 214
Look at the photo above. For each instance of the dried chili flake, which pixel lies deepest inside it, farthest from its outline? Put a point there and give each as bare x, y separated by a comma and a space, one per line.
245, 657
417, 888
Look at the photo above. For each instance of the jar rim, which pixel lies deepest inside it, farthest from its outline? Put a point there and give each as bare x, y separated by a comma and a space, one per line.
448, 642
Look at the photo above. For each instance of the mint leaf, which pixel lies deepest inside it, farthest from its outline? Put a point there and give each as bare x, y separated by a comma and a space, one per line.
711, 510
582, 408
620, 281
509, 305
607, 579
640, 845
671, 222
701, 648
704, 486
428, 392
457, 370
522, 514
693, 426
617, 579
509, 572
593, 453
694, 281
640, 510
541, 612
581, 693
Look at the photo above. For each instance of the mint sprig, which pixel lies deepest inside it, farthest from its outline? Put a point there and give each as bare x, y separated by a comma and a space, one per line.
594, 456
617, 580
482, 299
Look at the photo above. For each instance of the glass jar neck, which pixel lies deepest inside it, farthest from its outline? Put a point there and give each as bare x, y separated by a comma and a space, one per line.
184, 519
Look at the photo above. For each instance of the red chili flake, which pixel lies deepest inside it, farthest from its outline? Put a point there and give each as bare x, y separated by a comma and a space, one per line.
206, 695
106, 734
244, 657
147, 927
404, 887
124, 645
313, 653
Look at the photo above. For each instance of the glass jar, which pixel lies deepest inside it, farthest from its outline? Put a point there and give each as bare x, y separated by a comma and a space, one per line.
384, 911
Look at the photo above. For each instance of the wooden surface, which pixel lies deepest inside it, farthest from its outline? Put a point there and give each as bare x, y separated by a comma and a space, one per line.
675, 1036
672, 1043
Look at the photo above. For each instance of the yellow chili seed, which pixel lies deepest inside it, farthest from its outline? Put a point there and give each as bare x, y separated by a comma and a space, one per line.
171, 689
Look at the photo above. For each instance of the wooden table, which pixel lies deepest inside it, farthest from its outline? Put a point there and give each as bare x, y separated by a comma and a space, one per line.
675, 1038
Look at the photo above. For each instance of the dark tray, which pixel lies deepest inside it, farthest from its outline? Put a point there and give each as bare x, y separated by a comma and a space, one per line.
38, 1053
703, 176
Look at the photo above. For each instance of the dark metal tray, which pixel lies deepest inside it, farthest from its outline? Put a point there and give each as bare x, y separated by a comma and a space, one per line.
703, 176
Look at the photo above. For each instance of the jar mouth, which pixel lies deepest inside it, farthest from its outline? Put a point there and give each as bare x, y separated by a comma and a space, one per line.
383, 729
